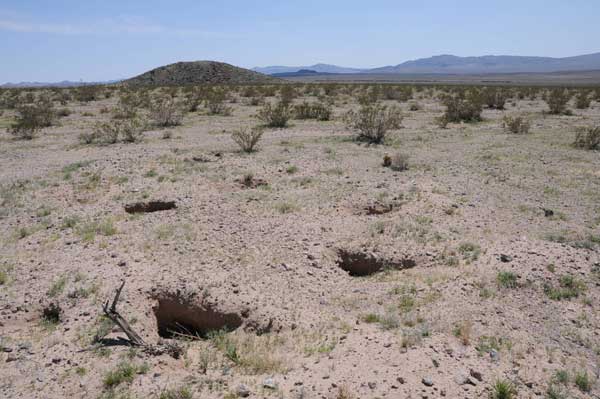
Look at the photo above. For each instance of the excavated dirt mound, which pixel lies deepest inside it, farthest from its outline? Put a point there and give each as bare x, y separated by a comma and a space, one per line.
178, 314
361, 263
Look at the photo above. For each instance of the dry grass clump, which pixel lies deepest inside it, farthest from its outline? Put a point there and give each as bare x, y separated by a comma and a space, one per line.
276, 115
373, 122
247, 138
588, 138
516, 125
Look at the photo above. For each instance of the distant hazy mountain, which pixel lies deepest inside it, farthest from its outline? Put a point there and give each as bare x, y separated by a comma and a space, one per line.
64, 83
321, 68
450, 64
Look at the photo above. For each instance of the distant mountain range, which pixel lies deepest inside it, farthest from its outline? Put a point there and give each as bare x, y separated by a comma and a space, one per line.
64, 83
200, 72
451, 64
320, 68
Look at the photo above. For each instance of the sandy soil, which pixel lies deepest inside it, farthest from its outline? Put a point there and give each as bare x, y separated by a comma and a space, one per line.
437, 320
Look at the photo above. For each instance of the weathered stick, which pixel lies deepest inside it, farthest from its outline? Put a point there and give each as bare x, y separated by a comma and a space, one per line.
112, 314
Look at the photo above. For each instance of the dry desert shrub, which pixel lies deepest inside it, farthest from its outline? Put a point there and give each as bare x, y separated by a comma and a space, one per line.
516, 125
215, 103
462, 108
31, 118
588, 138
583, 100
276, 115
128, 130
557, 101
287, 93
166, 111
247, 138
373, 122
494, 98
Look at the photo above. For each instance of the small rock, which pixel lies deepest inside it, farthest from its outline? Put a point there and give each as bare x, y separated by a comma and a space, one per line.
428, 382
505, 258
476, 374
270, 383
242, 391
372, 385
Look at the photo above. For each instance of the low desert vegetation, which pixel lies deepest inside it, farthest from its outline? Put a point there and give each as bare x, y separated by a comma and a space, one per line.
317, 110
453, 224
588, 138
166, 112
516, 125
372, 122
275, 115
557, 101
503, 389
31, 118
246, 138
126, 130
461, 108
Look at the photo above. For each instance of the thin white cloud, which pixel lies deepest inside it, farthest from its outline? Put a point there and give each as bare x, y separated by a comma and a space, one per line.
113, 26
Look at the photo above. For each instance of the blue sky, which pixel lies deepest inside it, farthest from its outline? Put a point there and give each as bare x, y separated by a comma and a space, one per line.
56, 40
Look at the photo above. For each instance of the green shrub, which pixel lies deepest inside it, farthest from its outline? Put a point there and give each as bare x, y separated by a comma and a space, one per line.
177, 393
507, 280
462, 108
583, 381
372, 122
318, 111
124, 373
129, 130
503, 390
569, 287
31, 118
276, 115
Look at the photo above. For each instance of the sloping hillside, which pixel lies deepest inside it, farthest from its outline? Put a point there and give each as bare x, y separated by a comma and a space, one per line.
199, 72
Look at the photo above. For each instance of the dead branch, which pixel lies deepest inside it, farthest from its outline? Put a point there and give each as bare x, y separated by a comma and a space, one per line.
114, 315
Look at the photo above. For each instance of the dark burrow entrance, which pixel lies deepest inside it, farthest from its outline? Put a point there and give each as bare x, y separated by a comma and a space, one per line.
359, 263
178, 318
151, 206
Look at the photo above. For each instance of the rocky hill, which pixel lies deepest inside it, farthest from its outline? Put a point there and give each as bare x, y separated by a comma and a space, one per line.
199, 72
